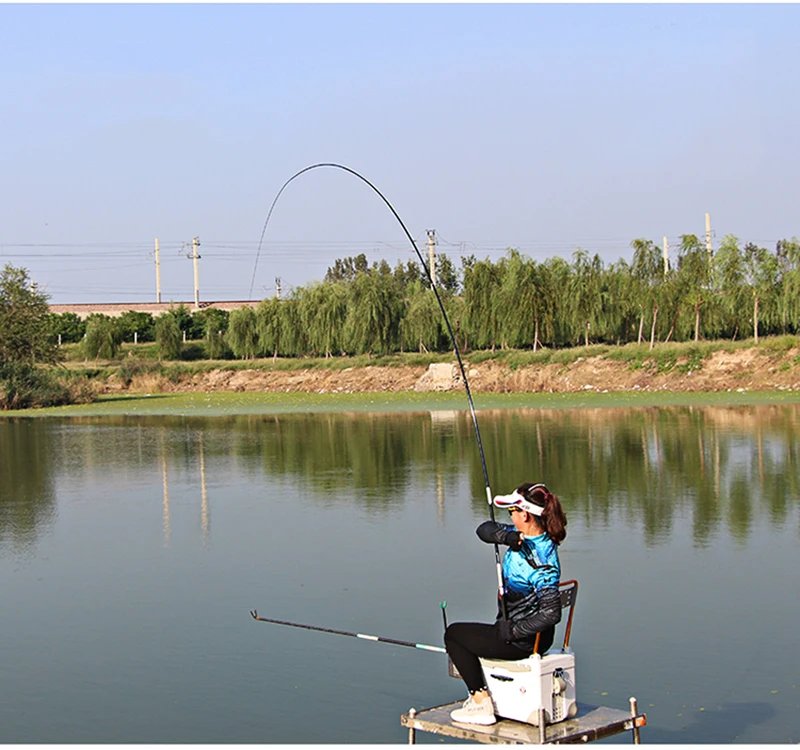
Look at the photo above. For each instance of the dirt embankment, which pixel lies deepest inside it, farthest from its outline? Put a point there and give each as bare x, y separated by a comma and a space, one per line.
747, 369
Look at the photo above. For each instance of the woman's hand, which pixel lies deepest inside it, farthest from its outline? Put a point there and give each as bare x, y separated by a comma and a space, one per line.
505, 631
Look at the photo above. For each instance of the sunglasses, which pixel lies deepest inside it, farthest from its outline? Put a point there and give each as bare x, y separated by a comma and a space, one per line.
512, 511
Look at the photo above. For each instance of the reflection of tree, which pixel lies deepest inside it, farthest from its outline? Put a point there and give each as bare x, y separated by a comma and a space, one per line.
204, 519
651, 464
165, 513
27, 497
722, 468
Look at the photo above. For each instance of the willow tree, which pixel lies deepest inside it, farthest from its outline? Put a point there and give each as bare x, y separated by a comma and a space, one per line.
421, 327
621, 303
323, 311
694, 271
585, 294
294, 336
515, 296
168, 336
482, 280
788, 254
374, 311
215, 324
670, 305
103, 337
545, 304
762, 272
242, 336
269, 326
555, 275
647, 275
729, 281
454, 307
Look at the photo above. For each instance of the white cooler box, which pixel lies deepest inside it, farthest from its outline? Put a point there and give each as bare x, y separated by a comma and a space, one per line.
520, 688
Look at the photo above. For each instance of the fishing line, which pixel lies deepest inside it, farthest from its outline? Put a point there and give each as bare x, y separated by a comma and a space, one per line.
500, 582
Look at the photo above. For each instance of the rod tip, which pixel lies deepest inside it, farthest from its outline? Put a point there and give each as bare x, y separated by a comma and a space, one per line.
253, 614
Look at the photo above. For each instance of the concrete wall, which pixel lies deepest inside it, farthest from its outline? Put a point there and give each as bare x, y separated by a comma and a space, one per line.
115, 309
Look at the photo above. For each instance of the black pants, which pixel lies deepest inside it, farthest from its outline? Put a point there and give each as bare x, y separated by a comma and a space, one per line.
466, 641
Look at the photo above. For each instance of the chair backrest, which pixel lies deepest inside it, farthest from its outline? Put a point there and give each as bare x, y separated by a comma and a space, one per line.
569, 593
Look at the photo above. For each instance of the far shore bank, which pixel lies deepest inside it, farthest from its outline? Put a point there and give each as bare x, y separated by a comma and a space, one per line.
624, 376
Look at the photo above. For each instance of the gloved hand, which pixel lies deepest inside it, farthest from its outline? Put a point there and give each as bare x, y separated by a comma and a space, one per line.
505, 630
515, 540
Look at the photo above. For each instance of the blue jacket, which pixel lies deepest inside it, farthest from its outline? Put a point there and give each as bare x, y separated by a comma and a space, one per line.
531, 572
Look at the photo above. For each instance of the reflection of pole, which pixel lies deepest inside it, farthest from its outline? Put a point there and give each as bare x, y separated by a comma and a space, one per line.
657, 446
165, 515
440, 495
539, 446
645, 452
702, 449
760, 460
203, 493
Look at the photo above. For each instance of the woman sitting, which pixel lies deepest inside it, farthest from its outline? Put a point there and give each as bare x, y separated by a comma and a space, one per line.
531, 572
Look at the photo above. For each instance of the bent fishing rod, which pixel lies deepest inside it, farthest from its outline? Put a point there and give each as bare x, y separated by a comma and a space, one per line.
254, 614
498, 566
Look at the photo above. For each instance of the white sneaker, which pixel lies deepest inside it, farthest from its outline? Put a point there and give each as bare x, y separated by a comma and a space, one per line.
473, 712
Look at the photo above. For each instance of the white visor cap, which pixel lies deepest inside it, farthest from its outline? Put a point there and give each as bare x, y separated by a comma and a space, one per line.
515, 500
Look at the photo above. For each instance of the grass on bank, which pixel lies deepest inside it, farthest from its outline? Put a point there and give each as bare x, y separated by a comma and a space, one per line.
679, 356
70, 383
242, 404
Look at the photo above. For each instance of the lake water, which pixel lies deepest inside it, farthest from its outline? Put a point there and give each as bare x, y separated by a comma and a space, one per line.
132, 549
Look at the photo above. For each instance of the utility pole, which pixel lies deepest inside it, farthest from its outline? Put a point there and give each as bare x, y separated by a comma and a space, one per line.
666, 256
158, 275
432, 254
195, 257
278, 287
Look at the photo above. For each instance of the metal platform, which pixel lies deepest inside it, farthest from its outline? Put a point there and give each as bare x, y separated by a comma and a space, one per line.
591, 723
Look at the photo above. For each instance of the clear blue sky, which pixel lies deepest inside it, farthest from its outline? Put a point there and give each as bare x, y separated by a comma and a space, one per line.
541, 127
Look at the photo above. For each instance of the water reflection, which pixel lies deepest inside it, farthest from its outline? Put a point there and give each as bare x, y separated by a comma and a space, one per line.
165, 516
27, 495
724, 465
675, 516
204, 517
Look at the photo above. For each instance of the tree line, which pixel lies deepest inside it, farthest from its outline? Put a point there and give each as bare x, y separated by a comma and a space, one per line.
738, 291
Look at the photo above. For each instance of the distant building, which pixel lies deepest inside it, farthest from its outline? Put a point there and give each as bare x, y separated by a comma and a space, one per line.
115, 309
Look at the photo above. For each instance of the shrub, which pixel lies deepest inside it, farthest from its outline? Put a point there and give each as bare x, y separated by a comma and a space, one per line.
780, 344
192, 352
133, 366
216, 325
140, 323
168, 336
23, 386
67, 325
25, 334
103, 337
